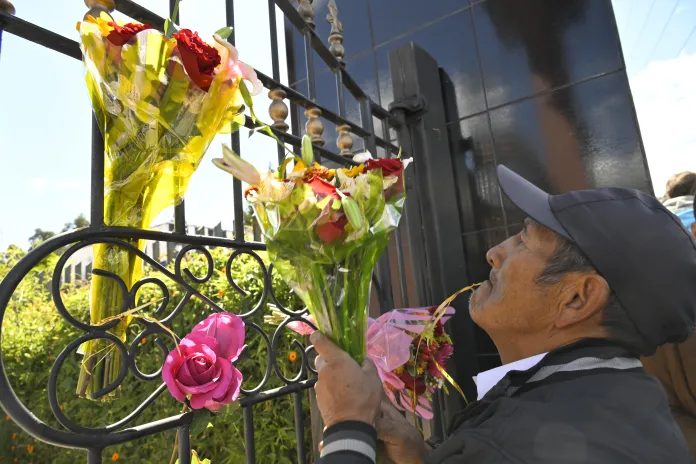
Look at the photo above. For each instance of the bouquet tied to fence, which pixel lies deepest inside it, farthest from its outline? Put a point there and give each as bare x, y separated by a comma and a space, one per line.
325, 229
159, 99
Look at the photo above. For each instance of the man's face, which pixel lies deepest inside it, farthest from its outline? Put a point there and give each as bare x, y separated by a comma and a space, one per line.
512, 302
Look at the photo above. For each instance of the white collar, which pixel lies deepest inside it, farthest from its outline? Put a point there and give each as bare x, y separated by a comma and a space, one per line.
488, 379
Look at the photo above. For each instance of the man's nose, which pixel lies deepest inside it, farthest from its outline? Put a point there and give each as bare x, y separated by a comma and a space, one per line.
495, 256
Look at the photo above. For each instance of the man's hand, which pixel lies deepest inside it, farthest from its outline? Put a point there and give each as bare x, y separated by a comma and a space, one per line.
403, 442
345, 391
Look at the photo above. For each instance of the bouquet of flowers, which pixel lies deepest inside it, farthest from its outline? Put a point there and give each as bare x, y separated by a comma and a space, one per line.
410, 350
324, 230
159, 100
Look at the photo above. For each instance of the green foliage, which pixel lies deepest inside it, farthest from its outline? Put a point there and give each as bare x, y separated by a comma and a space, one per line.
33, 334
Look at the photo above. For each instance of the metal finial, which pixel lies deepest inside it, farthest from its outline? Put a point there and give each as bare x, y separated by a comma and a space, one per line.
7, 7
344, 142
314, 126
336, 36
96, 7
306, 10
278, 110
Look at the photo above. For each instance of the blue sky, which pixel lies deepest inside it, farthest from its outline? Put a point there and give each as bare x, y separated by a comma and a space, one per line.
45, 116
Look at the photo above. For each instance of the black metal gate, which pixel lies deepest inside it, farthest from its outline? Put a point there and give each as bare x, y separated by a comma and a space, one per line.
96, 440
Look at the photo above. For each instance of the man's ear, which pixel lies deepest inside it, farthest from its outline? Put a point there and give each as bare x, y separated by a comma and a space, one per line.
693, 229
583, 297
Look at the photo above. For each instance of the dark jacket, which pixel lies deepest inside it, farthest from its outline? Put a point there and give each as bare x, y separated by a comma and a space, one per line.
675, 368
587, 403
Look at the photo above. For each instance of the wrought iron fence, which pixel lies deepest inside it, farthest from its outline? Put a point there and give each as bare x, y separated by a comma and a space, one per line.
95, 440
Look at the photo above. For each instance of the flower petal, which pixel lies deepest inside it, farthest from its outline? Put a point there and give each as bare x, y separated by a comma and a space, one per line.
169, 370
231, 394
227, 329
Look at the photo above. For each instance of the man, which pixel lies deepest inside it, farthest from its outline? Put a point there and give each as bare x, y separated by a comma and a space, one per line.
674, 365
571, 303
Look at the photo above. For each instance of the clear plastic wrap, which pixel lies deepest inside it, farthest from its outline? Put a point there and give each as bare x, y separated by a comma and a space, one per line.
159, 102
325, 229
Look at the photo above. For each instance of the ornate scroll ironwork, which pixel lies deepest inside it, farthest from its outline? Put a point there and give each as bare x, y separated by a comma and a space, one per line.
183, 278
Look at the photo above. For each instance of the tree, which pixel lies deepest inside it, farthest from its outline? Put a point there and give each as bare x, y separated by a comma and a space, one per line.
78, 223
39, 237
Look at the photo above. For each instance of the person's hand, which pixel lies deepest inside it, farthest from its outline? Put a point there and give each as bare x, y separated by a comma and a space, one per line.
345, 391
403, 443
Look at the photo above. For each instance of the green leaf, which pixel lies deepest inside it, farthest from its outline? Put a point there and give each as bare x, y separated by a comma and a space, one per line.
307, 151
201, 418
246, 96
225, 32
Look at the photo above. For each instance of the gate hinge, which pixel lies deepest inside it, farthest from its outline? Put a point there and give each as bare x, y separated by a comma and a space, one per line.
410, 107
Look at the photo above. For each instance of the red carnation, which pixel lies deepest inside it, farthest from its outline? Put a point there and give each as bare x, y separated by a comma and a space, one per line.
120, 35
199, 58
415, 384
389, 166
441, 357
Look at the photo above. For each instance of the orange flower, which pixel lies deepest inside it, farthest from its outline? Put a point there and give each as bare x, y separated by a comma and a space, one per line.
14, 435
114, 457
61, 407
292, 356
224, 270
7, 418
15, 459
30, 448
143, 341
12, 448
221, 293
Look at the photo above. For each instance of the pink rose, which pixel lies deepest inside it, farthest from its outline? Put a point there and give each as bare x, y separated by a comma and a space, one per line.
201, 369
227, 329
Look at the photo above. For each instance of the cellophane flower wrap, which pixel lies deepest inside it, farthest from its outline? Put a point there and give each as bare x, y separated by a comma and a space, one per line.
159, 101
325, 229
410, 350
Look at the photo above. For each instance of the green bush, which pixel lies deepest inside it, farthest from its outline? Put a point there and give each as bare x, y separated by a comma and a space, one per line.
33, 334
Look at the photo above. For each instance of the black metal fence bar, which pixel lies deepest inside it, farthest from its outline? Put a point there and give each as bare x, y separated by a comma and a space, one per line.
275, 63
237, 198
96, 215
299, 427
249, 445
184, 436
139, 13
40, 36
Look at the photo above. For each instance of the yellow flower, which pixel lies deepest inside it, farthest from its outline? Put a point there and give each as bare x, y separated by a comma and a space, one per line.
354, 171
221, 293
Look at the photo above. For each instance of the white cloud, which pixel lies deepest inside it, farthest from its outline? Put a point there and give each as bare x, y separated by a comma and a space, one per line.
665, 98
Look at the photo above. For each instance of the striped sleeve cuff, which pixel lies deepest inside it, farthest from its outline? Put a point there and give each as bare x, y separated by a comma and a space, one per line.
351, 437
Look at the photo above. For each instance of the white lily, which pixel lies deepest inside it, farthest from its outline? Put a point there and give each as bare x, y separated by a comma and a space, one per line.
274, 189
362, 157
235, 165
230, 57
347, 184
